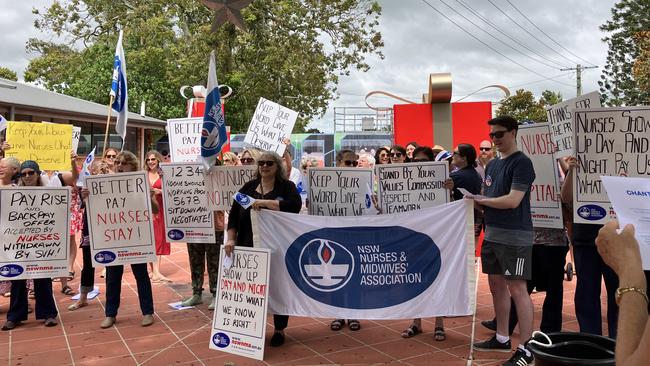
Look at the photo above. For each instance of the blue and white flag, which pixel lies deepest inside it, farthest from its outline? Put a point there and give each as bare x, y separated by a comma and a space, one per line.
244, 200
119, 90
3, 123
85, 170
213, 133
400, 266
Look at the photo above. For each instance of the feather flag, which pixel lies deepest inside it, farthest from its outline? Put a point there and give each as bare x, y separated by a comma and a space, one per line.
119, 90
213, 133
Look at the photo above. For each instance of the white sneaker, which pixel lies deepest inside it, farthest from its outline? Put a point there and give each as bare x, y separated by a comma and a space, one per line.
213, 303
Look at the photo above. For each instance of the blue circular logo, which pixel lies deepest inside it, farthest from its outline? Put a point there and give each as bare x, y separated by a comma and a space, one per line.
592, 212
105, 257
221, 340
242, 199
326, 265
175, 234
11, 270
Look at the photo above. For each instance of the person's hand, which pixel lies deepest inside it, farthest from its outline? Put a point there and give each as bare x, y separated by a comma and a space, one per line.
229, 247
258, 205
156, 191
449, 184
73, 155
619, 251
85, 193
286, 141
5, 146
571, 162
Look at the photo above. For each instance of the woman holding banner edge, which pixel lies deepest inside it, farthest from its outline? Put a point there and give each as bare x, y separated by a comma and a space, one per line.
273, 191
154, 173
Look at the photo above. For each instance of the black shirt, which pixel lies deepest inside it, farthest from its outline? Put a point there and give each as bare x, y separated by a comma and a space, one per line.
585, 234
240, 218
467, 178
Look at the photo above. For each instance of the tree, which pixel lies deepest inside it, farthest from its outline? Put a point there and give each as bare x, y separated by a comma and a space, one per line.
641, 70
621, 78
292, 52
523, 107
8, 74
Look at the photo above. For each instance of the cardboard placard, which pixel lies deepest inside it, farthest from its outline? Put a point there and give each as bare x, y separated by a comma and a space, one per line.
560, 116
187, 219
35, 227
184, 139
271, 124
76, 136
222, 182
412, 186
49, 144
340, 191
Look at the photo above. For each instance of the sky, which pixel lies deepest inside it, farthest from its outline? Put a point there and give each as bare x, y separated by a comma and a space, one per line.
419, 41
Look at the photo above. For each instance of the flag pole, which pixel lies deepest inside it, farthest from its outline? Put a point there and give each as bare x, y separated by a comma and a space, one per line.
108, 120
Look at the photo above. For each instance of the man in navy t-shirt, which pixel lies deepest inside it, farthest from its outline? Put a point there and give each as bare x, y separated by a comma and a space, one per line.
507, 249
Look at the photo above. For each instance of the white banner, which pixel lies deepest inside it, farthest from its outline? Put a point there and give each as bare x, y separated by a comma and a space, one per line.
184, 139
536, 142
35, 232
187, 219
373, 267
609, 141
271, 124
560, 116
412, 186
222, 182
340, 191
239, 321
119, 218
631, 200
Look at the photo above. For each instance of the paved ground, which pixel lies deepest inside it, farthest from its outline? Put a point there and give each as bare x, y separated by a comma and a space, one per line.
181, 337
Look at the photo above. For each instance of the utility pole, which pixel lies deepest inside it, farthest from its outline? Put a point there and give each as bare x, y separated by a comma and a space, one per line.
578, 70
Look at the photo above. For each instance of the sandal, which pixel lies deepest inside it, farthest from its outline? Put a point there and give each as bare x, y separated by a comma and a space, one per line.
71, 275
31, 294
337, 324
354, 324
77, 305
50, 322
67, 290
439, 334
411, 331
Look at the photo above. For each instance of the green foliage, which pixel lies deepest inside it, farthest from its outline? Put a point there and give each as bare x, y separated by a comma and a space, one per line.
292, 52
8, 74
619, 84
523, 107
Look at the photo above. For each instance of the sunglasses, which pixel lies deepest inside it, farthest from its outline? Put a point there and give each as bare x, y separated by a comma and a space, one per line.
384, 155
247, 160
485, 148
350, 162
498, 134
111, 156
268, 163
396, 155
227, 160
152, 159
121, 162
28, 173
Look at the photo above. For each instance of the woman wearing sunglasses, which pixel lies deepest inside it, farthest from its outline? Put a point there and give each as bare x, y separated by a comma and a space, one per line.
109, 157
230, 159
398, 155
30, 176
272, 191
382, 156
152, 166
249, 156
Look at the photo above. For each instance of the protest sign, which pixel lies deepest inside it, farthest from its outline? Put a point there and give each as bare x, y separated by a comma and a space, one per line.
340, 191
222, 182
49, 144
412, 186
271, 124
630, 198
76, 136
184, 139
239, 321
35, 232
187, 219
609, 141
119, 218
560, 116
536, 142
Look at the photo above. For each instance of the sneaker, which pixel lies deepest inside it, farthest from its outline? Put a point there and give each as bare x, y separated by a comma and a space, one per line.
519, 358
9, 325
192, 301
490, 324
147, 320
277, 340
492, 345
213, 303
107, 322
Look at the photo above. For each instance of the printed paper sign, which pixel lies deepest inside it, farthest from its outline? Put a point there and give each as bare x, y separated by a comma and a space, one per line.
609, 141
239, 323
35, 232
184, 139
631, 200
76, 136
560, 116
119, 218
187, 219
49, 144
340, 191
271, 124
545, 207
222, 182
412, 186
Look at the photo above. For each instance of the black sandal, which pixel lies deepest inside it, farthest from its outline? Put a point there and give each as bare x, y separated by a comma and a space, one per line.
337, 324
411, 331
71, 275
67, 290
439, 334
354, 324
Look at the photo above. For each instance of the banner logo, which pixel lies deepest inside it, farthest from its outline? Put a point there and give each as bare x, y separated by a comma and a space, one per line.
11, 270
175, 234
592, 212
105, 257
221, 340
326, 265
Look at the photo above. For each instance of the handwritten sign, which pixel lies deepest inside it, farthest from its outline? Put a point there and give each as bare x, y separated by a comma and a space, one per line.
119, 218
184, 139
271, 124
609, 141
412, 186
35, 232
560, 116
536, 142
222, 182
76, 136
187, 219
49, 144
340, 191
239, 322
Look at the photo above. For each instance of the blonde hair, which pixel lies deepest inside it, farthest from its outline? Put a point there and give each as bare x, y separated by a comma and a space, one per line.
232, 156
156, 154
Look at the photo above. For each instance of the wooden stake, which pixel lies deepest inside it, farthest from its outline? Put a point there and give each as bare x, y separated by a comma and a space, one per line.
108, 121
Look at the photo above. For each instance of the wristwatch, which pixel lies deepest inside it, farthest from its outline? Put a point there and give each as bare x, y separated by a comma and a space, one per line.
623, 290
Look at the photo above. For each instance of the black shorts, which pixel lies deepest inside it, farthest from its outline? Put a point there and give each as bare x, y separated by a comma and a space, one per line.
511, 261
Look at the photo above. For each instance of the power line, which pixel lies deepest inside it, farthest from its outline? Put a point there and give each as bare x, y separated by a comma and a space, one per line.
544, 33
520, 85
484, 19
488, 46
